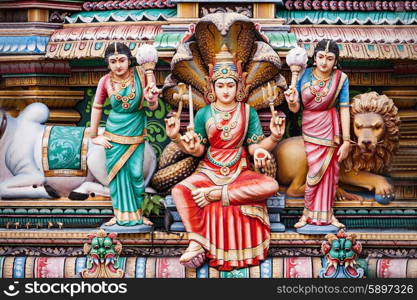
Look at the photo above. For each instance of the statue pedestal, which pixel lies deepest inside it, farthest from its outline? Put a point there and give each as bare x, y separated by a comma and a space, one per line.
126, 229
314, 229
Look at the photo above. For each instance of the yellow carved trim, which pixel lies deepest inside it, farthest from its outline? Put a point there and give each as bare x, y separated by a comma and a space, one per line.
13, 234
127, 215
214, 273
277, 267
322, 216
258, 212
8, 267
222, 180
69, 271
62, 202
247, 114
317, 177
150, 267
190, 273
232, 254
342, 80
318, 141
188, 185
30, 265
225, 196
121, 162
100, 24
38, 81
141, 83
254, 272
130, 268
126, 140
45, 142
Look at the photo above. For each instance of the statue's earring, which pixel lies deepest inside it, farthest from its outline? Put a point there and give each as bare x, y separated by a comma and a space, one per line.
211, 97
334, 67
240, 96
314, 64
240, 93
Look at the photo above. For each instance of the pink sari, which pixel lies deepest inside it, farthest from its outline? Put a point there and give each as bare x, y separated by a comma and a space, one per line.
321, 133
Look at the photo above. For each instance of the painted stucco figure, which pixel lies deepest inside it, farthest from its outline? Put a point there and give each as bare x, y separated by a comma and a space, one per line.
322, 89
223, 204
125, 133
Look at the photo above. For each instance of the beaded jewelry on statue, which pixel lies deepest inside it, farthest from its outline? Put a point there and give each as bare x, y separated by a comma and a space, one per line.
225, 116
224, 168
123, 83
315, 89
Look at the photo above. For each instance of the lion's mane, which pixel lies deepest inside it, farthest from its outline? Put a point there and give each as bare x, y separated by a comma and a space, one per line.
380, 162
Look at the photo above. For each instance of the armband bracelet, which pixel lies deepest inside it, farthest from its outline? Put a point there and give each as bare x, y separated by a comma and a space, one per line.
346, 138
274, 138
98, 106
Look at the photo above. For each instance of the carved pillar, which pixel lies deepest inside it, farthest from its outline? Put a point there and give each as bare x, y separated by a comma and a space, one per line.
404, 165
264, 10
38, 15
187, 10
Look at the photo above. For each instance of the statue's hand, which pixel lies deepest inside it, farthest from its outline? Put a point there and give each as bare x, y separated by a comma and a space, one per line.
261, 158
203, 196
343, 151
102, 141
291, 95
277, 125
172, 126
151, 93
190, 139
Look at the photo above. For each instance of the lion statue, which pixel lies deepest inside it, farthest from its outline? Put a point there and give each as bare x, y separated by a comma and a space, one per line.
375, 127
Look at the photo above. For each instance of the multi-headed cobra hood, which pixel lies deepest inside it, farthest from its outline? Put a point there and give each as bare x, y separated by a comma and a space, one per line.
255, 60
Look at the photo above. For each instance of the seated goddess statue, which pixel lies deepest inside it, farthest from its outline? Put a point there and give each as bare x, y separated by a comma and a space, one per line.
223, 204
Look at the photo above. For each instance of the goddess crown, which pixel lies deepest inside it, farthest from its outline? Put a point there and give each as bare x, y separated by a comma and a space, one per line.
224, 65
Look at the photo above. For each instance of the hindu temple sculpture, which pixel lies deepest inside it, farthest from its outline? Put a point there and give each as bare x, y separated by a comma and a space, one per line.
124, 136
341, 252
320, 89
374, 141
54, 161
223, 204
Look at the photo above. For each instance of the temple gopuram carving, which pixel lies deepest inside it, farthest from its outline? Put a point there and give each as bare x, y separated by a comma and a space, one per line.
218, 116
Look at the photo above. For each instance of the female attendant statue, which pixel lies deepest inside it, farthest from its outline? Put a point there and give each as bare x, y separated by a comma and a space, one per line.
223, 204
125, 132
322, 89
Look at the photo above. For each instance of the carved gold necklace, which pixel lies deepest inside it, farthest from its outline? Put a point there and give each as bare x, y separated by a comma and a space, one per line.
123, 83
225, 116
315, 89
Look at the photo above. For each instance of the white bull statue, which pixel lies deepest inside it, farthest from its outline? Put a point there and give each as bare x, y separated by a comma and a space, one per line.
21, 171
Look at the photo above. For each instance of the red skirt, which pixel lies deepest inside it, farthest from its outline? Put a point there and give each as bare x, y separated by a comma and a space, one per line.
234, 236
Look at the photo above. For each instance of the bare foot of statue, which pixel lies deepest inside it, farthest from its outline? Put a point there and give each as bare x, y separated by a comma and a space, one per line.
301, 223
111, 222
146, 221
194, 256
335, 222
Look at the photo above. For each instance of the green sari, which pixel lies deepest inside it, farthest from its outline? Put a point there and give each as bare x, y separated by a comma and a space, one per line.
124, 161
